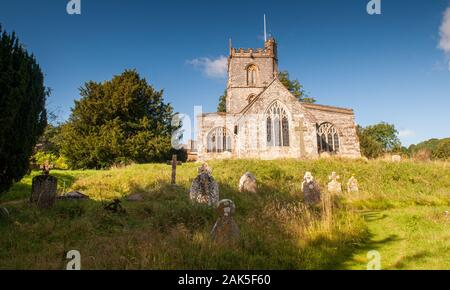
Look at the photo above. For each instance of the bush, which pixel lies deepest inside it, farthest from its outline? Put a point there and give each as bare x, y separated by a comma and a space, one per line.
22, 100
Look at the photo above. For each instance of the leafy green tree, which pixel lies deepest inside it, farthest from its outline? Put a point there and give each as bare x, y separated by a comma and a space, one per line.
370, 148
22, 101
118, 121
385, 134
222, 107
295, 87
379, 138
443, 150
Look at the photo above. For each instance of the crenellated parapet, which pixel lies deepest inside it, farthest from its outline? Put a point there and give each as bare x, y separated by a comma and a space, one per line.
269, 50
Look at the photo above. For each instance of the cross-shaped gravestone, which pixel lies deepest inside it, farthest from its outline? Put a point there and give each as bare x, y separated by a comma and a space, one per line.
174, 169
301, 129
334, 186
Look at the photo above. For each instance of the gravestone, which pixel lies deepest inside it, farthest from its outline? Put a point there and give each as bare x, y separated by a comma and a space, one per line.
396, 158
225, 230
73, 195
205, 169
352, 185
334, 186
204, 188
247, 183
310, 190
43, 190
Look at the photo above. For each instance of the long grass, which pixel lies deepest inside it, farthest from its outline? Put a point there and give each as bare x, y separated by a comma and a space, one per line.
167, 231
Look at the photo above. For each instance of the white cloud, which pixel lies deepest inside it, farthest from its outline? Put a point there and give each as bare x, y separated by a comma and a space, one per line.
444, 32
406, 133
211, 67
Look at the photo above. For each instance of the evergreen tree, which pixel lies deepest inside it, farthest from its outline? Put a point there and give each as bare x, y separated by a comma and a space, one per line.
119, 121
222, 107
22, 101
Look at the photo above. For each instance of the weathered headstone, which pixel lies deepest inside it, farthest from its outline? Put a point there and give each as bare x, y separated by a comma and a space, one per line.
310, 190
43, 190
204, 188
247, 183
225, 230
73, 195
334, 186
352, 184
205, 168
396, 158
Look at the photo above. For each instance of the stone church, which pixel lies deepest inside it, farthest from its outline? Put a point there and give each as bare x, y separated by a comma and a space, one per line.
264, 120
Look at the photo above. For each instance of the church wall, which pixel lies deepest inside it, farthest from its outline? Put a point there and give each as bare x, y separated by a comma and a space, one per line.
208, 122
252, 141
345, 124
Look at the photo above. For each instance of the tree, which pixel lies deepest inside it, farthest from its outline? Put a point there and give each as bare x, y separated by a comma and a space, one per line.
379, 138
118, 121
385, 134
434, 147
22, 101
443, 150
370, 148
295, 87
222, 107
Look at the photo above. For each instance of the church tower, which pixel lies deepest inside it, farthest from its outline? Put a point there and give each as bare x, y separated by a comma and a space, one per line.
250, 71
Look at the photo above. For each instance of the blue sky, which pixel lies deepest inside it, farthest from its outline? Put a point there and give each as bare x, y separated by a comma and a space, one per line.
392, 67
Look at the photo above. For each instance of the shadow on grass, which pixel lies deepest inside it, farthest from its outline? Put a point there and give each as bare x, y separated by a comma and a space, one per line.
167, 213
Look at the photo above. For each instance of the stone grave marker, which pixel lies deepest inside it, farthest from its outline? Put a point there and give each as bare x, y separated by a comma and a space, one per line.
225, 230
310, 190
247, 183
334, 186
43, 190
352, 184
204, 188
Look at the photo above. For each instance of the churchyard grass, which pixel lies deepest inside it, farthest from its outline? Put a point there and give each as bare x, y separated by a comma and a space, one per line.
399, 211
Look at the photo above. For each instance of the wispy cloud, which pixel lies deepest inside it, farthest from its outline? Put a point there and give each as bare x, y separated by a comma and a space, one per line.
211, 67
444, 32
406, 133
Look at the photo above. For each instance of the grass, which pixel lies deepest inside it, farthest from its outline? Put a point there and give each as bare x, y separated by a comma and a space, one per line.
167, 231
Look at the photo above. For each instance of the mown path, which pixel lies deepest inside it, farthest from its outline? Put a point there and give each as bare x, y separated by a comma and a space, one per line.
408, 238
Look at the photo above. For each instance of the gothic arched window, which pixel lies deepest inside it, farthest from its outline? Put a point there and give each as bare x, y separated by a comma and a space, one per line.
277, 126
327, 138
219, 140
251, 75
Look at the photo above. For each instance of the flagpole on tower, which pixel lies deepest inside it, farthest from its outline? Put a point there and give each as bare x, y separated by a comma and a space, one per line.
265, 29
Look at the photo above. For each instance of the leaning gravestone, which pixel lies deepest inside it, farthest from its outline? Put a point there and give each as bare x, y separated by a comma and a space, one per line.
73, 195
334, 186
352, 185
310, 190
43, 190
204, 188
247, 183
225, 229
